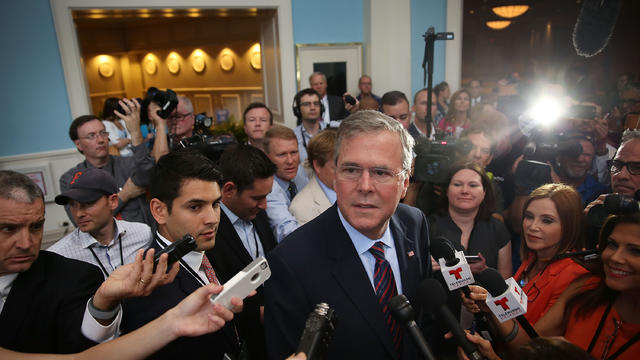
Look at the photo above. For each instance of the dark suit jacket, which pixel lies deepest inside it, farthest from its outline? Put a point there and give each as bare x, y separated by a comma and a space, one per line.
318, 263
336, 108
139, 311
229, 256
44, 310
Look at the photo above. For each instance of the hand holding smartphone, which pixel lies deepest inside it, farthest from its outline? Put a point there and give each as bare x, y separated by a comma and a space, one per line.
176, 251
244, 282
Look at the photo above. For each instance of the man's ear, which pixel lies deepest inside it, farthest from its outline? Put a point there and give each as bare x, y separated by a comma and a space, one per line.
315, 166
159, 210
113, 201
78, 146
229, 190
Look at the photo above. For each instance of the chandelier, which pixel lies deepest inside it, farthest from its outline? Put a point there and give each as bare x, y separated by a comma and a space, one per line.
510, 11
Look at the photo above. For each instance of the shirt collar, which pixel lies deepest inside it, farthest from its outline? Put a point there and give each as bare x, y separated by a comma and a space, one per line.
283, 183
87, 240
360, 241
330, 193
192, 258
230, 214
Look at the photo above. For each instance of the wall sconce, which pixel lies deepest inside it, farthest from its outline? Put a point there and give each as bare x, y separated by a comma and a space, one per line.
173, 62
105, 67
256, 56
510, 11
198, 62
150, 64
227, 59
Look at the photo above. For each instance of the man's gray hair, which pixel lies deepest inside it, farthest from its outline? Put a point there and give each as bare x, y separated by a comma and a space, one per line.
317, 73
187, 102
19, 187
630, 134
371, 121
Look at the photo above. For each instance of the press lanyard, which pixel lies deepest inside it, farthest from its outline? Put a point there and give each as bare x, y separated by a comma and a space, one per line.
622, 349
104, 270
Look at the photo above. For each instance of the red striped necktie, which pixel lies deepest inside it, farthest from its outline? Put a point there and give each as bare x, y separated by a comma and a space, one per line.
386, 289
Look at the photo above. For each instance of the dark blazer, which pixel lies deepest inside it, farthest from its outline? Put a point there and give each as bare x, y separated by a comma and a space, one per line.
336, 108
318, 263
139, 311
229, 256
44, 310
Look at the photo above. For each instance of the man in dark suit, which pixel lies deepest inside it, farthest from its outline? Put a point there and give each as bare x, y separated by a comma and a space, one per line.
44, 297
334, 107
244, 232
185, 199
356, 255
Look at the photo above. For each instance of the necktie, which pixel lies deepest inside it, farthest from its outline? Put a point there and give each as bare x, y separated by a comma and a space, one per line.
293, 190
385, 285
208, 270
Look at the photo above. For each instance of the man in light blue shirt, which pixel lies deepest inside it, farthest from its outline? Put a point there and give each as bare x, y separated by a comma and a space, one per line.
308, 109
281, 146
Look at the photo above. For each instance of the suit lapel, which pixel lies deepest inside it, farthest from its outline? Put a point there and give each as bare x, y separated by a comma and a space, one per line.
352, 278
407, 254
20, 300
318, 195
261, 223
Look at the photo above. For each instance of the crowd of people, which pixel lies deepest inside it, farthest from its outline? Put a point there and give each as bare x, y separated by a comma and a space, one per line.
344, 207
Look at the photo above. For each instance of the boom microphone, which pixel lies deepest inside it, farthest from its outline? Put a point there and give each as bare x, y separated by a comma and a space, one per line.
497, 287
434, 297
403, 312
595, 25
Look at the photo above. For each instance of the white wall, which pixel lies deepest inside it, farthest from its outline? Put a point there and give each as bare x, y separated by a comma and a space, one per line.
390, 47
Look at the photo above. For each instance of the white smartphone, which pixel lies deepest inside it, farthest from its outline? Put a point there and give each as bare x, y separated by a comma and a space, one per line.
244, 282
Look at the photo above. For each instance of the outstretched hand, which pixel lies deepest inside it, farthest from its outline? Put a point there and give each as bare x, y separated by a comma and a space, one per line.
196, 315
134, 279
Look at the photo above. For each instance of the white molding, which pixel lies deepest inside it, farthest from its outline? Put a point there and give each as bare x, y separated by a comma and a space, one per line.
453, 49
76, 84
222, 88
40, 155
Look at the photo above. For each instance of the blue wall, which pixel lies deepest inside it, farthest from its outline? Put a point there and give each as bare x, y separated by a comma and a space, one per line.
327, 21
35, 109
34, 105
426, 13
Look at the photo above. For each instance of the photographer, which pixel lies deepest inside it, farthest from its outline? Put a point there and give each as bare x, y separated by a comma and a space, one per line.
624, 168
131, 173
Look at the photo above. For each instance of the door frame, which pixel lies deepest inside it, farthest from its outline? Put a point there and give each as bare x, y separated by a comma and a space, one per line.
76, 82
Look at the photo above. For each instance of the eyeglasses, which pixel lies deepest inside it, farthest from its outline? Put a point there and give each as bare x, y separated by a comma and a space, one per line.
93, 136
179, 116
379, 175
615, 166
309, 103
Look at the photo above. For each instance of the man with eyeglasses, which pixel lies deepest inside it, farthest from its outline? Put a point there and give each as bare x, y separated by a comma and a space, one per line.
624, 168
357, 254
308, 109
180, 123
131, 173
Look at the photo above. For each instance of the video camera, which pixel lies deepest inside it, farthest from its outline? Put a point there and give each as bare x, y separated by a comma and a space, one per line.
434, 157
202, 123
212, 146
614, 204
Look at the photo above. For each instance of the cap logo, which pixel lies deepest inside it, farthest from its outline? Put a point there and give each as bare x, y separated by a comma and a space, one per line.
76, 176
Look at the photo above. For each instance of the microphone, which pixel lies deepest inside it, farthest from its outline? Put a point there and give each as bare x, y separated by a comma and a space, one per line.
595, 25
590, 254
453, 265
403, 312
433, 296
318, 332
506, 299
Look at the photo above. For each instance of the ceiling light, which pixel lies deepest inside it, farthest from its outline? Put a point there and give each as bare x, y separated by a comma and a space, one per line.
498, 24
510, 11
